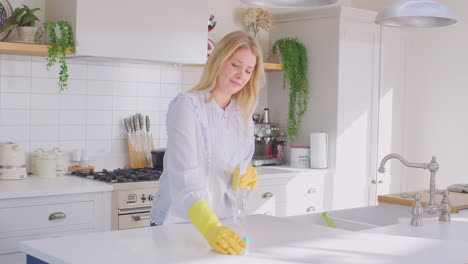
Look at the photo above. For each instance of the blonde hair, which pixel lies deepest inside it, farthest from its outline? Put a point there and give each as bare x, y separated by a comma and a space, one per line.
247, 97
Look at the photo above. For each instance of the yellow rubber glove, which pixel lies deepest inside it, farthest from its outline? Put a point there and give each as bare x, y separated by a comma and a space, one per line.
248, 180
221, 238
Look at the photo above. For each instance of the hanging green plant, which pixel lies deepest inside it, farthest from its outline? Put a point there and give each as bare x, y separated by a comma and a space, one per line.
58, 48
294, 60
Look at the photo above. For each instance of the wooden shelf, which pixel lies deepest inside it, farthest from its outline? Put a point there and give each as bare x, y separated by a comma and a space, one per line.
31, 49
269, 67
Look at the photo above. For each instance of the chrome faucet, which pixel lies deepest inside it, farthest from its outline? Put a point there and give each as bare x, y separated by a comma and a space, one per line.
431, 207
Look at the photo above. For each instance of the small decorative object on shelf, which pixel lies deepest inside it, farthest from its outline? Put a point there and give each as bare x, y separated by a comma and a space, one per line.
24, 21
211, 23
5, 12
58, 48
257, 18
294, 59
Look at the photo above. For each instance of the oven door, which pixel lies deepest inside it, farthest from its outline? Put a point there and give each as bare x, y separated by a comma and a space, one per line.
134, 218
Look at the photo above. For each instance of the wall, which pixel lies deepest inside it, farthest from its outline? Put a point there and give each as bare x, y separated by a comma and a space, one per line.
436, 101
89, 114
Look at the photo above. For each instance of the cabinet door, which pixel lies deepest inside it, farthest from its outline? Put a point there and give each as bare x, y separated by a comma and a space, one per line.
357, 113
166, 31
391, 111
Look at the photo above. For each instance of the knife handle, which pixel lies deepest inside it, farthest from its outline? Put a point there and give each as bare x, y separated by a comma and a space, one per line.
127, 125
142, 121
136, 123
148, 124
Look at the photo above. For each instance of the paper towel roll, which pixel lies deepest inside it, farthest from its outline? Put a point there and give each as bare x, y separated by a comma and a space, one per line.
318, 150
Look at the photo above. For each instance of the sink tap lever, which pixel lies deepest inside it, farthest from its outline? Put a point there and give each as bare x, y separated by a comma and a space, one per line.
444, 207
417, 210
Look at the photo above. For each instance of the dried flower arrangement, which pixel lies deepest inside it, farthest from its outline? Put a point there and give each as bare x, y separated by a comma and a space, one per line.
257, 18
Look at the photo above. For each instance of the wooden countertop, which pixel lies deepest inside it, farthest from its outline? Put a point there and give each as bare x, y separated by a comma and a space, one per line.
458, 201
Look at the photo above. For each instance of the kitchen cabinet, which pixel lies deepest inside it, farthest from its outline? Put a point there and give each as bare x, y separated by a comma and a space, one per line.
30, 218
287, 193
346, 74
152, 30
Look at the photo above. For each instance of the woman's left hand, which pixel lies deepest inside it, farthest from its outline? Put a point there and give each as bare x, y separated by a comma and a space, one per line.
248, 180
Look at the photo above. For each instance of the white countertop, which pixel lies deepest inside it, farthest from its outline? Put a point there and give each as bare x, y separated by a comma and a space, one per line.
272, 240
34, 186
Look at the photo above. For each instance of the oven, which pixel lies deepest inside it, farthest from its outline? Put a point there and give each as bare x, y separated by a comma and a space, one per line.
132, 196
131, 207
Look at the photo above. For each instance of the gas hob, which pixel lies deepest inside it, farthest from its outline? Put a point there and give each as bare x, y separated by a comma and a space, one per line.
122, 175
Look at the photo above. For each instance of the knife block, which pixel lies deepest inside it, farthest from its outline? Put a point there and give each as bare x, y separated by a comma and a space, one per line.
137, 158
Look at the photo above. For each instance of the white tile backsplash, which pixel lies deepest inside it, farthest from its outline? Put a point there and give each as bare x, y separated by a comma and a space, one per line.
15, 117
102, 73
99, 102
99, 118
98, 132
169, 76
44, 86
39, 70
15, 133
15, 84
89, 113
44, 133
100, 87
74, 133
72, 117
45, 117
15, 101
45, 101
148, 89
72, 102
15, 68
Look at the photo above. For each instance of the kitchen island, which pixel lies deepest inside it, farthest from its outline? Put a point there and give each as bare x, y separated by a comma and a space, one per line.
272, 240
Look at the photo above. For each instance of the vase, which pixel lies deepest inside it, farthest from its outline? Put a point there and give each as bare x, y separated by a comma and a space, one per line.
26, 34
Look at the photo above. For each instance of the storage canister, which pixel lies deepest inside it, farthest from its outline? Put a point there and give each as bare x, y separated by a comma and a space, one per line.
34, 157
60, 161
300, 157
47, 165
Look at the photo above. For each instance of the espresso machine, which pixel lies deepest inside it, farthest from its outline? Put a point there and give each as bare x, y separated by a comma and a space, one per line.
269, 142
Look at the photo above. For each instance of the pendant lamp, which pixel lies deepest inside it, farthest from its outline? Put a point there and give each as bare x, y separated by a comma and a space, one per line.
416, 14
289, 3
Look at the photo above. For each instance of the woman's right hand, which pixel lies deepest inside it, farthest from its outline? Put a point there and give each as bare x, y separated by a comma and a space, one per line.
225, 241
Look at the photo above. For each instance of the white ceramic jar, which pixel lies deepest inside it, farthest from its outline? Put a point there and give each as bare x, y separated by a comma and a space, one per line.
60, 161
300, 157
46, 165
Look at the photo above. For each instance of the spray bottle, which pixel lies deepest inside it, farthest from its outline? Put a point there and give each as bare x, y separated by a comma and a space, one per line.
240, 206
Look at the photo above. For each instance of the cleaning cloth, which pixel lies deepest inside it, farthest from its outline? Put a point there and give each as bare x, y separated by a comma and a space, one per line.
462, 188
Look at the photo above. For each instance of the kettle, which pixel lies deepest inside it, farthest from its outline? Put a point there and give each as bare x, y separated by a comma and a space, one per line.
12, 162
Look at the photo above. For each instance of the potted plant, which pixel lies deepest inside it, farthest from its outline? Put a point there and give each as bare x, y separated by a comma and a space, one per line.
61, 41
24, 20
294, 59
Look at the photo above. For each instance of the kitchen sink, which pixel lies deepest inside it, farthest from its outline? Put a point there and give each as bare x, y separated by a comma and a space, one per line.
318, 219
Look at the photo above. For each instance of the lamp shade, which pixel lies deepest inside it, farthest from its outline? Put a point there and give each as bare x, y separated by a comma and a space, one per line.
289, 3
416, 14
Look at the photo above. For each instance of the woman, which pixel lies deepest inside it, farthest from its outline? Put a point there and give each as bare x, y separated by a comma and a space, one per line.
210, 134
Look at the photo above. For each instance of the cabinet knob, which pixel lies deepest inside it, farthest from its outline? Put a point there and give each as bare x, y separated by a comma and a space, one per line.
57, 216
380, 182
267, 195
311, 209
374, 181
312, 190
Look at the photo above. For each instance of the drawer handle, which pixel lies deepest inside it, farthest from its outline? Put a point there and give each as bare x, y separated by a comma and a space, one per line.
57, 216
137, 218
267, 195
311, 209
312, 190
267, 213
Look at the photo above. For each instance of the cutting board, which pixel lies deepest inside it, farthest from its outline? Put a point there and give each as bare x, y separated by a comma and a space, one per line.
458, 201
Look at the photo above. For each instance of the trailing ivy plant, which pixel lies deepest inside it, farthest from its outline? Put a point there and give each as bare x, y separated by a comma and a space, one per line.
58, 48
294, 60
